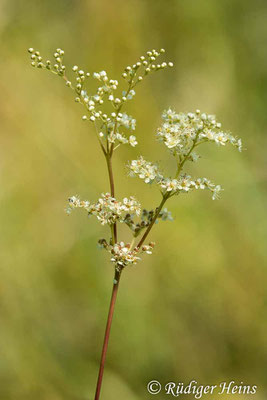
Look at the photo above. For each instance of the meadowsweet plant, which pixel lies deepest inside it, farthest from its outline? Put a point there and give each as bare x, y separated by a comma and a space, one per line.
180, 133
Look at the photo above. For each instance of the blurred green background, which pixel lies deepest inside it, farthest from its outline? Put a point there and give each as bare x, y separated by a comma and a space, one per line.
196, 309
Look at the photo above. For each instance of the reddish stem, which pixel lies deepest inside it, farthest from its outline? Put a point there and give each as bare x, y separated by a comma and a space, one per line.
150, 226
107, 332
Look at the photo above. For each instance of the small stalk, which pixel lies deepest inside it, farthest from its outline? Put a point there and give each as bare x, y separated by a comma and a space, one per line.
112, 192
107, 332
110, 174
163, 201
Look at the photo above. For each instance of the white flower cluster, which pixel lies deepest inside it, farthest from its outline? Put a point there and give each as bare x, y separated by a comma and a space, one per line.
110, 124
75, 202
185, 184
145, 170
180, 132
150, 173
119, 120
107, 209
127, 121
94, 101
122, 254
57, 67
145, 66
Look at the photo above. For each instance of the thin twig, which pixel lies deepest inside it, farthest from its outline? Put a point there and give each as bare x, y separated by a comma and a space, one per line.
112, 192
158, 210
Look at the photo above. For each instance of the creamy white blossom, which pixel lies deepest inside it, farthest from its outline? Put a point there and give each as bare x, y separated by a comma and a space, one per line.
123, 254
132, 140
120, 138
147, 248
204, 183
75, 202
107, 209
180, 132
185, 184
127, 121
144, 170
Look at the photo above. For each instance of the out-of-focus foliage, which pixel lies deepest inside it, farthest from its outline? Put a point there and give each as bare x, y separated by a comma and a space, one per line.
197, 307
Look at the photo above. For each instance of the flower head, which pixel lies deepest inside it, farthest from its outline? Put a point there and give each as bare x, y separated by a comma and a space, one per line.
180, 132
123, 254
185, 184
107, 209
144, 170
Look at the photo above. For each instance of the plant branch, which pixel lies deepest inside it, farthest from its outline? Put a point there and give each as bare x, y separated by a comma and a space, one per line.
186, 157
166, 196
107, 332
118, 110
112, 192
163, 201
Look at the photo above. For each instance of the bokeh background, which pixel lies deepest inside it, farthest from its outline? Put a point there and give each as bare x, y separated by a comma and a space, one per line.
196, 309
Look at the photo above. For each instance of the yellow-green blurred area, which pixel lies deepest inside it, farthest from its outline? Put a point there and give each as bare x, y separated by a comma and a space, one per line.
195, 309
